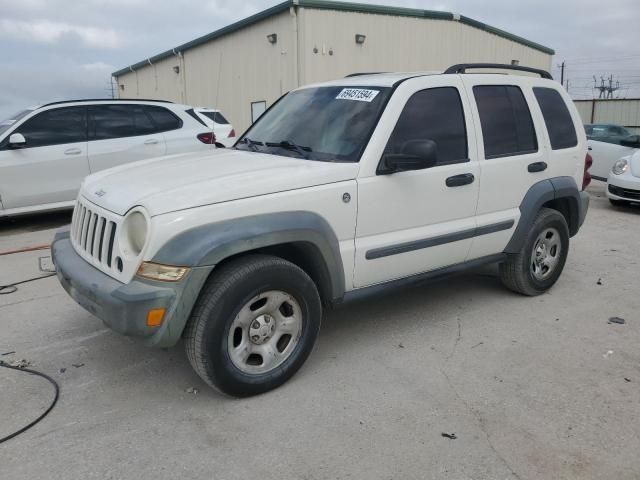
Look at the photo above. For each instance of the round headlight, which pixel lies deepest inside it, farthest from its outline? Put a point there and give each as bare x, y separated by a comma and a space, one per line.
620, 167
135, 232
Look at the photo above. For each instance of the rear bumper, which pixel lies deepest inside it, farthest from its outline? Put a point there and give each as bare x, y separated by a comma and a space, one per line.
124, 307
584, 207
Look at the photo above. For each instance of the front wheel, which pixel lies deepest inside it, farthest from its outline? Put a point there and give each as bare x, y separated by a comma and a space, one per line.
254, 325
539, 263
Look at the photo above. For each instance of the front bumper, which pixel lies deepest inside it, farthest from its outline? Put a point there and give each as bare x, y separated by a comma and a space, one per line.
124, 307
623, 187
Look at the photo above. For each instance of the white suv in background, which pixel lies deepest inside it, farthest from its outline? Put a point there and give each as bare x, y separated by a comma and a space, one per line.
46, 151
215, 121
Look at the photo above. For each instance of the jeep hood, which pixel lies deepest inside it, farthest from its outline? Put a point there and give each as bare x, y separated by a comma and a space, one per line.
178, 182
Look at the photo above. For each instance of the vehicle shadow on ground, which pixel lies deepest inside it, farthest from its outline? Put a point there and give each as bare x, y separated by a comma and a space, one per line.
34, 223
396, 314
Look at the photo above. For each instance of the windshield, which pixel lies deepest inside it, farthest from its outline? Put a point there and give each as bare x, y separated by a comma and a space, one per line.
325, 123
217, 117
6, 123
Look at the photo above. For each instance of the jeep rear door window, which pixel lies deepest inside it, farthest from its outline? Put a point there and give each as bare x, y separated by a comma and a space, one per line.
117, 121
325, 123
557, 118
433, 114
55, 127
163, 119
507, 128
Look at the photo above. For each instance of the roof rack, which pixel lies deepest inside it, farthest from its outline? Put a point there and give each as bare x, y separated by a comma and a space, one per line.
364, 73
106, 100
462, 68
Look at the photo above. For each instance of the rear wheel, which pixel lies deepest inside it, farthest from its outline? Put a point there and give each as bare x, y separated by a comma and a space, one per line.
540, 261
254, 325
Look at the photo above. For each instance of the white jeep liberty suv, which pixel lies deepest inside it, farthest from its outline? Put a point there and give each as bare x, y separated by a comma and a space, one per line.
340, 190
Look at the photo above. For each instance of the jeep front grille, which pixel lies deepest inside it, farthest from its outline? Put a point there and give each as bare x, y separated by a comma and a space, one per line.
93, 234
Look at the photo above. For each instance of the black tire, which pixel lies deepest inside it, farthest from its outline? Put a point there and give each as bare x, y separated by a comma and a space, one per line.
618, 203
222, 298
516, 272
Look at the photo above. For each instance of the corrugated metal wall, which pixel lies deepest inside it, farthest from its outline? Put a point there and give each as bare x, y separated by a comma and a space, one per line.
227, 73
398, 44
625, 112
242, 67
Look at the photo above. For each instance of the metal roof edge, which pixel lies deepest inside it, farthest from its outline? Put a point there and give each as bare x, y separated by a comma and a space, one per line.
504, 34
279, 8
339, 6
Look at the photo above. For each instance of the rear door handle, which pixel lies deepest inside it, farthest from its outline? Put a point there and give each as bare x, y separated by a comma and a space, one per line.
72, 151
537, 167
151, 141
460, 180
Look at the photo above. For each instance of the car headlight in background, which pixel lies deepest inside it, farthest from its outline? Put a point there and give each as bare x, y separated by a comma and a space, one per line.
133, 235
163, 273
620, 167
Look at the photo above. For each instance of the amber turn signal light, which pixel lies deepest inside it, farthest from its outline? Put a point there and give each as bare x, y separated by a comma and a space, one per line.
155, 317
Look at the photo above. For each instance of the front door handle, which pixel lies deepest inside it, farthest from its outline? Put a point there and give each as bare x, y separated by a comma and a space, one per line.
460, 180
72, 151
537, 167
151, 141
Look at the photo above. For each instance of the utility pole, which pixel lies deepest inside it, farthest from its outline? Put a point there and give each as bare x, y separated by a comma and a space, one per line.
561, 73
567, 85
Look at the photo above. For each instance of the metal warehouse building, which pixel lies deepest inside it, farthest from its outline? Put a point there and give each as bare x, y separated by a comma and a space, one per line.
244, 67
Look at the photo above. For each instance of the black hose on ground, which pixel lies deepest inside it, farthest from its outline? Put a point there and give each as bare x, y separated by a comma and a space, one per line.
12, 288
46, 412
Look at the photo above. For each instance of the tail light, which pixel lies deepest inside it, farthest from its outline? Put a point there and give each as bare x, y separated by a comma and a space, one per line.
209, 138
586, 178
232, 133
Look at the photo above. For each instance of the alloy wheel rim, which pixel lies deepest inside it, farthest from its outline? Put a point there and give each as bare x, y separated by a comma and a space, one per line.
265, 332
546, 254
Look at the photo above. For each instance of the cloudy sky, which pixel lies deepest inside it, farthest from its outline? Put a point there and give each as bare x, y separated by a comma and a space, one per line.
57, 49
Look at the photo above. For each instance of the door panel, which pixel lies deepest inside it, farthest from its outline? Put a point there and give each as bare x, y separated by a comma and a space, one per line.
52, 165
412, 222
120, 134
509, 142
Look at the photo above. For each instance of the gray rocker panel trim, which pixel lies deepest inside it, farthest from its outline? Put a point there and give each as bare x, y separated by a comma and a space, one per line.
419, 279
539, 194
439, 240
212, 243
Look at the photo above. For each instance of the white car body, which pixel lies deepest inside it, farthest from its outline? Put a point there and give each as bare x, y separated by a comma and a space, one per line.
48, 177
604, 155
216, 122
623, 184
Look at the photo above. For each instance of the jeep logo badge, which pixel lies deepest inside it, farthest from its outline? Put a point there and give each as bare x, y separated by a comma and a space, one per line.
100, 193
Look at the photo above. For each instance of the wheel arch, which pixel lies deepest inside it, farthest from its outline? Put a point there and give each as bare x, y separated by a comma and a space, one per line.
303, 238
558, 193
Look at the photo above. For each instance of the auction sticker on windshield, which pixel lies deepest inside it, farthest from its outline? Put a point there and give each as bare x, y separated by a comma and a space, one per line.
359, 94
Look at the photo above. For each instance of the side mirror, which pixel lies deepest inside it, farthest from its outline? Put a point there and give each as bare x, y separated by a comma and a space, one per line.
415, 155
631, 141
17, 140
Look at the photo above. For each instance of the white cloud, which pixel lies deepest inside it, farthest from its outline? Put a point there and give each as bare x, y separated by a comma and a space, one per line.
45, 31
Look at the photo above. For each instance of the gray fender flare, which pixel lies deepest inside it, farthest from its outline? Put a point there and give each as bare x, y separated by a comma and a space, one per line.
210, 244
540, 193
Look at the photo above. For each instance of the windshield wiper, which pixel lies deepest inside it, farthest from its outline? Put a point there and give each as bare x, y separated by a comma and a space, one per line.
289, 145
251, 144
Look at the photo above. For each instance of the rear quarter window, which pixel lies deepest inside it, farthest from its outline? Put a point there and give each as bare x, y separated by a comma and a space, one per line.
163, 119
557, 118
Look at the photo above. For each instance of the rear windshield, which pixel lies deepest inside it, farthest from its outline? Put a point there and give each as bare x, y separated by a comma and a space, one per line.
7, 122
325, 123
217, 117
